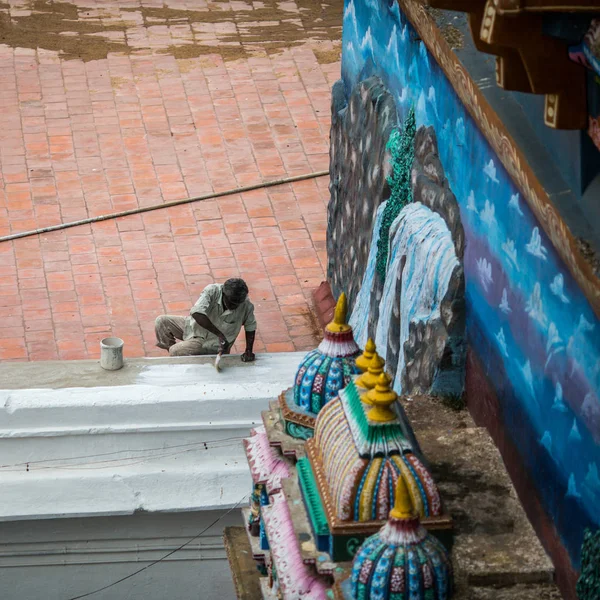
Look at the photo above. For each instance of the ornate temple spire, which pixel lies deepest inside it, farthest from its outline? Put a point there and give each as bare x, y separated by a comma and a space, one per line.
339, 324
357, 443
321, 375
381, 397
402, 560
369, 379
364, 360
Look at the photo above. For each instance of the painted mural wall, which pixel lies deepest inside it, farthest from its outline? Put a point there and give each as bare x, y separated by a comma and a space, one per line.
527, 321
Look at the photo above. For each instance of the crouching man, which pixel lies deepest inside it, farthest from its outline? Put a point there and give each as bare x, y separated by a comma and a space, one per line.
213, 325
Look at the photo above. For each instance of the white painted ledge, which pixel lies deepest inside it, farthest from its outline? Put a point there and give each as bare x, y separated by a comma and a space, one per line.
160, 435
78, 397
56, 495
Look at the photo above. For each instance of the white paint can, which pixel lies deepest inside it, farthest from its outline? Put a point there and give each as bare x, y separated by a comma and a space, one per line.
111, 353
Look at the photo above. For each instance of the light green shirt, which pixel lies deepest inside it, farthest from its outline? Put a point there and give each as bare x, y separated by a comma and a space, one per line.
229, 322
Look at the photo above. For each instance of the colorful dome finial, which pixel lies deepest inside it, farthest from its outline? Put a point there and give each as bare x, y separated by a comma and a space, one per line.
364, 360
339, 324
322, 373
402, 561
381, 397
369, 379
403, 507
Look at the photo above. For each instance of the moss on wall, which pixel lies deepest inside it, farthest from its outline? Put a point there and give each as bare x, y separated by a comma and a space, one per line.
588, 586
402, 149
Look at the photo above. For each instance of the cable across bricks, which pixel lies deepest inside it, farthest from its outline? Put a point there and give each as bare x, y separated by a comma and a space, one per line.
144, 209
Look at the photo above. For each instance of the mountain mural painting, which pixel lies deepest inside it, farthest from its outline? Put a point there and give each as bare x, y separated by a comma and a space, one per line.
415, 312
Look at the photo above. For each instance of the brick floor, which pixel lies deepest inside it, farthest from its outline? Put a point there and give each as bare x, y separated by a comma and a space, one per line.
80, 139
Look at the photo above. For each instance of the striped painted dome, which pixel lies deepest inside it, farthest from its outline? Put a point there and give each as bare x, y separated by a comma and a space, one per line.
363, 460
402, 561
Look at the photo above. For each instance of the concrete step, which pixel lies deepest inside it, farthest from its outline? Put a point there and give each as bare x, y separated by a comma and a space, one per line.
192, 447
158, 435
116, 490
163, 371
199, 443
494, 543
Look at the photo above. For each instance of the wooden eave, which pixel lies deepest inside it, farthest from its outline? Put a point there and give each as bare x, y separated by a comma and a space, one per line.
527, 60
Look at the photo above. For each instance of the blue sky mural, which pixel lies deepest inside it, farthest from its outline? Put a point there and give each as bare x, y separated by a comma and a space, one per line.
528, 321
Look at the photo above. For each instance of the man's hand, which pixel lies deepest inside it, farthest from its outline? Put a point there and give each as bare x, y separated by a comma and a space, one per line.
223, 345
248, 356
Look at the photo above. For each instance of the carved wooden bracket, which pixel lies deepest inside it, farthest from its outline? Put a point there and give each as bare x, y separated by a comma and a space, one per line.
511, 74
527, 60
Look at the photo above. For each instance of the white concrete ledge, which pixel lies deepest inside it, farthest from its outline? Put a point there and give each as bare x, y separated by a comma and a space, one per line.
78, 397
131, 408
167, 371
56, 495
161, 435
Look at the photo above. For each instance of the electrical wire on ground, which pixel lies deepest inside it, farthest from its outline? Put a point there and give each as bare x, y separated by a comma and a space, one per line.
143, 209
88, 594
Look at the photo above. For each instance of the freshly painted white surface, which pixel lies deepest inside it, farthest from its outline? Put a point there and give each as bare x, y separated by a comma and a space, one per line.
39, 411
87, 373
156, 395
154, 436
103, 472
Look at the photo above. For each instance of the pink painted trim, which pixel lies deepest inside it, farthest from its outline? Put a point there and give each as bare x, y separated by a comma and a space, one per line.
402, 532
266, 465
339, 346
297, 580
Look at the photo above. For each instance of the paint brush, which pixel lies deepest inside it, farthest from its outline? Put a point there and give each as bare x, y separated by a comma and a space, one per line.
217, 361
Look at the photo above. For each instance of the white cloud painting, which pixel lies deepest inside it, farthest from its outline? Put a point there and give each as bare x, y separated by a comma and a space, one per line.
484, 268
534, 306
557, 287
514, 204
535, 247
490, 171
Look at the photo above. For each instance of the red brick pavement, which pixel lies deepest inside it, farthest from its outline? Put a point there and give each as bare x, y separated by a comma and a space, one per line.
79, 139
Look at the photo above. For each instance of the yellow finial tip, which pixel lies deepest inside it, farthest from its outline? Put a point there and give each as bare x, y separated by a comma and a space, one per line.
381, 398
376, 365
341, 308
403, 508
368, 380
364, 360
383, 383
339, 325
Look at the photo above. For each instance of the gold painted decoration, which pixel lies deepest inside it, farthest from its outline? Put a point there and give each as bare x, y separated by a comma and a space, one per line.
403, 508
364, 360
381, 398
339, 324
369, 379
